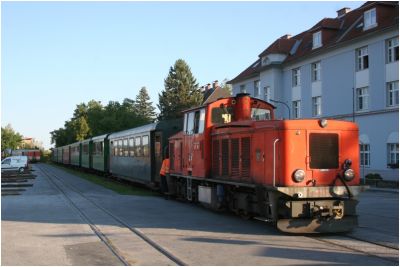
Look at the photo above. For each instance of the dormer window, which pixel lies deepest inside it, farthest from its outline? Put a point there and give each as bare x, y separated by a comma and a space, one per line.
317, 40
265, 61
370, 19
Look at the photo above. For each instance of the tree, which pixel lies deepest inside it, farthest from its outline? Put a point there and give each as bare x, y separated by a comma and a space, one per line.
143, 107
225, 86
181, 91
81, 128
10, 138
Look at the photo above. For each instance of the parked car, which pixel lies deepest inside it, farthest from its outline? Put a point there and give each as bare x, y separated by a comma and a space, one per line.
15, 163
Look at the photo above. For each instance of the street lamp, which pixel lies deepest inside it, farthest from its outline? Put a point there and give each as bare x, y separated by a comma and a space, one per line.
280, 102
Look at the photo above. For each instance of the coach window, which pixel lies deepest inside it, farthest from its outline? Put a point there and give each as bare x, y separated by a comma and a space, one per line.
138, 145
120, 148
126, 148
157, 146
145, 141
131, 146
101, 148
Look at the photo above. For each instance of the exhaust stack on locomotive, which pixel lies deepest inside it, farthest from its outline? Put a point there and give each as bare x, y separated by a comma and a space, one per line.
302, 175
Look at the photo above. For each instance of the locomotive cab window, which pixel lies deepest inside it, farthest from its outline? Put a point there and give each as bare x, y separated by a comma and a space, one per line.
222, 115
258, 114
194, 122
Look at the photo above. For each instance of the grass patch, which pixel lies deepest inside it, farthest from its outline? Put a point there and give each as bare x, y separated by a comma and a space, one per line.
123, 188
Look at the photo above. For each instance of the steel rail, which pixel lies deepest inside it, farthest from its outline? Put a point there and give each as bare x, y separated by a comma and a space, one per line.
136, 231
85, 218
354, 249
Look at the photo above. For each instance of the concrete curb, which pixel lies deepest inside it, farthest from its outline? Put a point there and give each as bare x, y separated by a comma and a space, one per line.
388, 190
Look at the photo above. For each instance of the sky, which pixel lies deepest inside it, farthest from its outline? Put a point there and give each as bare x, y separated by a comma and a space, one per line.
55, 55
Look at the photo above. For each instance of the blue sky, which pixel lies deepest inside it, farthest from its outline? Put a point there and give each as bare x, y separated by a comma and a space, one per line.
55, 55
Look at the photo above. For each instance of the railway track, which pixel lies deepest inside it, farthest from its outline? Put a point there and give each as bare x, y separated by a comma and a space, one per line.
360, 245
51, 176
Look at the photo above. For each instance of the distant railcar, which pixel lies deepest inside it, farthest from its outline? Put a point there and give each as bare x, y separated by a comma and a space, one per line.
86, 148
75, 154
66, 155
100, 153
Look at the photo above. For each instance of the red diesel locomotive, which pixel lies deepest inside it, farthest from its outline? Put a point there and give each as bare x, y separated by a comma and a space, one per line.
301, 175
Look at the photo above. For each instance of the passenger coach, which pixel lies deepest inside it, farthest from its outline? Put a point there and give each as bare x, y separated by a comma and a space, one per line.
136, 154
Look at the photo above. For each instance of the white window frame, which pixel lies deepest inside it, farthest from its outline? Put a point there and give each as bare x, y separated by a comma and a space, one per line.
296, 77
365, 155
316, 71
317, 39
267, 93
243, 88
316, 106
296, 107
361, 54
393, 153
370, 19
257, 88
362, 98
392, 48
392, 94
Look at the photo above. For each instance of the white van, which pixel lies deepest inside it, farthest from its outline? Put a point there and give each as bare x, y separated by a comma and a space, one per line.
15, 163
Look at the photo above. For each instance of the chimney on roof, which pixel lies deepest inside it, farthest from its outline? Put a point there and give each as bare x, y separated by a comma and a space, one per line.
202, 88
286, 36
343, 11
215, 84
208, 87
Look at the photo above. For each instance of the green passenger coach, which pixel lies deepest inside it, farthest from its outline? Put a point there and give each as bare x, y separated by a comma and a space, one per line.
85, 153
100, 153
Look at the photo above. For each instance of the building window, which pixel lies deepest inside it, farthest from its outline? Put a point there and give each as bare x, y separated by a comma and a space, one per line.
243, 88
267, 93
362, 98
393, 155
295, 77
392, 50
316, 106
296, 109
392, 94
316, 71
362, 58
317, 40
370, 19
365, 155
257, 88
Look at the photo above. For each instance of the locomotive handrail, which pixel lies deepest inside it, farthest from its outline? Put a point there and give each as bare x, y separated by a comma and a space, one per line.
276, 141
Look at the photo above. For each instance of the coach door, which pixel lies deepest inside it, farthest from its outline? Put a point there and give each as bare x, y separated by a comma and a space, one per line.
157, 155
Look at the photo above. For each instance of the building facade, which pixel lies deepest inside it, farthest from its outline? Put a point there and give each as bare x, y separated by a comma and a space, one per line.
343, 68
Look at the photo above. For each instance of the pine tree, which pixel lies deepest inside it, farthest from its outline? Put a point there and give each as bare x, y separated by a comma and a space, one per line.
181, 91
143, 107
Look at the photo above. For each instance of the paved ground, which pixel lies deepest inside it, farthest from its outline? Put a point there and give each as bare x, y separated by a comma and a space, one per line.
52, 224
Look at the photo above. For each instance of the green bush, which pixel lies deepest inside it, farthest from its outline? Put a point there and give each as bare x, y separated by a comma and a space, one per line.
373, 176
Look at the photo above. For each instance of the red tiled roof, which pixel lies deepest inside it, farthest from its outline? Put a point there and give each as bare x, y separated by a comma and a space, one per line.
280, 46
334, 32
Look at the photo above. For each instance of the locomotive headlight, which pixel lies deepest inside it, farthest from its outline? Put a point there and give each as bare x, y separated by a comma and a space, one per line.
299, 175
323, 123
349, 175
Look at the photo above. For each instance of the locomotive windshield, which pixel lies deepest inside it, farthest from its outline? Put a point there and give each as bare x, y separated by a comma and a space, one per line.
258, 114
222, 115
